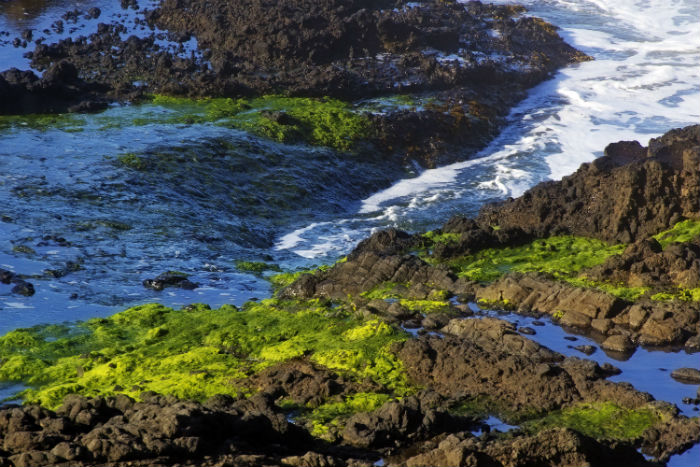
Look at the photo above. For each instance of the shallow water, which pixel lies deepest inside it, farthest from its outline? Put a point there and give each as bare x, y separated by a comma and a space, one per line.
649, 371
211, 196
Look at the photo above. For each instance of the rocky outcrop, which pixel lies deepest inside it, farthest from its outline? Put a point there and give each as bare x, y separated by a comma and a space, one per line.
359, 48
630, 193
118, 431
624, 324
465, 64
550, 447
58, 90
646, 264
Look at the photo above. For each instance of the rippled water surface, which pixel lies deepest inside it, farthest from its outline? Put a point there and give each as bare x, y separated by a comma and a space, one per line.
87, 229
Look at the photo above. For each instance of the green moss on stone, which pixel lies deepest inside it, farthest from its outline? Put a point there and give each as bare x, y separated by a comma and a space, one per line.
195, 352
68, 122
561, 256
133, 161
256, 267
630, 294
683, 231
432, 238
284, 279
323, 122
334, 413
24, 249
426, 306
682, 294
603, 420
386, 290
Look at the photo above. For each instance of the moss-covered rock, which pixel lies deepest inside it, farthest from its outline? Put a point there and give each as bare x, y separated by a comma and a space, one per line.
196, 352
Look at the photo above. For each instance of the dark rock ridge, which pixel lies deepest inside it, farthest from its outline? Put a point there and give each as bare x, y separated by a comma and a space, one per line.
119, 431
357, 48
58, 90
646, 263
629, 194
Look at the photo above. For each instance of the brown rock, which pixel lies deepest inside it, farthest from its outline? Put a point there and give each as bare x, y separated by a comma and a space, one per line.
659, 333
637, 315
575, 319
686, 375
602, 325
618, 343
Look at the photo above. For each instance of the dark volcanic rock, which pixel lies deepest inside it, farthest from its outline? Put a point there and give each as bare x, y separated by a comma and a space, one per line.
169, 279
645, 263
401, 423
58, 90
22, 287
629, 194
349, 49
546, 448
352, 48
117, 430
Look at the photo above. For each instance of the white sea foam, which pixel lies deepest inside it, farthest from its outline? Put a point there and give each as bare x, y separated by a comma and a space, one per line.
292, 239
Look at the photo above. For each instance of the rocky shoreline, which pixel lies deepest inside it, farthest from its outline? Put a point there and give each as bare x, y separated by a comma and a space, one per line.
458, 369
388, 355
462, 66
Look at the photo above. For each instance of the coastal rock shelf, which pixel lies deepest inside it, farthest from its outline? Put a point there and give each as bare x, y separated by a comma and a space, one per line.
327, 374
182, 179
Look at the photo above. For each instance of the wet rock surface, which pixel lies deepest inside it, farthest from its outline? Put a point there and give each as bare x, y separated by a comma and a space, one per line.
470, 62
355, 50
629, 194
169, 279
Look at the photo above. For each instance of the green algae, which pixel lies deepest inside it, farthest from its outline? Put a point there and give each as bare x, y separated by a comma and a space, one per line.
318, 121
386, 290
68, 122
196, 352
284, 279
683, 231
133, 161
24, 249
426, 306
602, 420
432, 237
630, 294
682, 294
561, 256
332, 414
256, 267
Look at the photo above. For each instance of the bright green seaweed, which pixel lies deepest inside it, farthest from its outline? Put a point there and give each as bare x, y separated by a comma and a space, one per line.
196, 352
683, 231
603, 420
333, 413
323, 122
561, 256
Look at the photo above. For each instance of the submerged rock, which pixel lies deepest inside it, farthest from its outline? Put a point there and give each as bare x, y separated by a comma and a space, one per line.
686, 375
22, 287
170, 279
